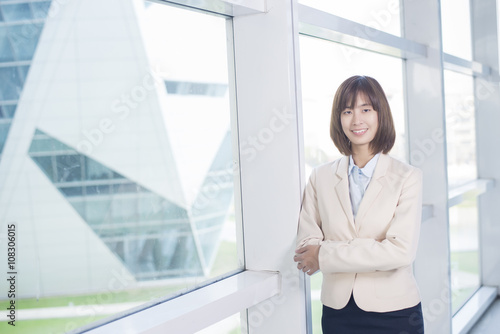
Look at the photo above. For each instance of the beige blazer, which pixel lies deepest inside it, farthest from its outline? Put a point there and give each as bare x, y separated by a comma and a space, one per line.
370, 255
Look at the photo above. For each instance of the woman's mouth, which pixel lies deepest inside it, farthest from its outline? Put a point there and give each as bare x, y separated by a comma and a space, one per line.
359, 132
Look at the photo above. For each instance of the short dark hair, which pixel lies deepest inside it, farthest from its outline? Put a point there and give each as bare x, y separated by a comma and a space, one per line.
345, 97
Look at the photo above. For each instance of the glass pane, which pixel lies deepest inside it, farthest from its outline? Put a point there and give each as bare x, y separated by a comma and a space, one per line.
69, 168
460, 128
24, 39
6, 53
4, 130
456, 26
23, 72
10, 83
9, 110
16, 12
382, 15
143, 207
464, 250
98, 211
325, 65
47, 165
40, 9
96, 171
316, 305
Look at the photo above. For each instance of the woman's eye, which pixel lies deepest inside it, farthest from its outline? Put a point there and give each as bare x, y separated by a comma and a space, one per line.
366, 110
347, 112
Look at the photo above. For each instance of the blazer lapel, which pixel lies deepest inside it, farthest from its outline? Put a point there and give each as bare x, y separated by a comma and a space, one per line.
342, 188
374, 188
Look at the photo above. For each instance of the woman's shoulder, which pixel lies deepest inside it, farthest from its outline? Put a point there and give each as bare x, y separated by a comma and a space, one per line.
327, 169
328, 165
403, 168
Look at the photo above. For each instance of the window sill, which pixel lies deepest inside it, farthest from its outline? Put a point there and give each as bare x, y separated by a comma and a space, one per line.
479, 186
470, 313
206, 306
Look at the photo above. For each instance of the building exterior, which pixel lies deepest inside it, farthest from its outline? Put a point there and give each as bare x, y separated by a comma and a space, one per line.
98, 168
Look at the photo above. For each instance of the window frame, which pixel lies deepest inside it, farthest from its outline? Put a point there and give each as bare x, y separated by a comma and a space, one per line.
273, 280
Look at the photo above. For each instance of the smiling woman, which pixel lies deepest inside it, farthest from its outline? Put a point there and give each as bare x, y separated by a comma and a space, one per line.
359, 108
375, 242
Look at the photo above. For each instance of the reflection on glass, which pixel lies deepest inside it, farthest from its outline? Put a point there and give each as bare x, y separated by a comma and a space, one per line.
456, 27
384, 15
127, 157
460, 128
325, 65
464, 250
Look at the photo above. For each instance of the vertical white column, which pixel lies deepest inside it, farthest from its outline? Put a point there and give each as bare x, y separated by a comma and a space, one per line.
487, 99
266, 79
426, 134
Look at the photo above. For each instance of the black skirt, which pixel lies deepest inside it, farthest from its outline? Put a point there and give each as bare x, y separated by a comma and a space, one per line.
353, 320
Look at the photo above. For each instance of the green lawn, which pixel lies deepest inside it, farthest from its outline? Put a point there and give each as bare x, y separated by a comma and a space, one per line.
466, 262
226, 260
46, 326
136, 295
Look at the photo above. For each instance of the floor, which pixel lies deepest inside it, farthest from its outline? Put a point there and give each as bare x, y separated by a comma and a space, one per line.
489, 322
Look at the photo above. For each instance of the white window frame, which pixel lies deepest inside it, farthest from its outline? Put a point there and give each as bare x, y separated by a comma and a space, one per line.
270, 292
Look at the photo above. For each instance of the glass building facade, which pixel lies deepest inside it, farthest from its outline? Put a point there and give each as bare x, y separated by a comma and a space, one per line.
152, 236
123, 149
21, 24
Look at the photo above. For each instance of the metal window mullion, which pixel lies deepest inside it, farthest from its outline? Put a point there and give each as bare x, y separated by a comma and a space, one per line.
316, 23
457, 64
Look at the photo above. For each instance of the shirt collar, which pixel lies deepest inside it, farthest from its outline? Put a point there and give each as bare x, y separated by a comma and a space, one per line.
369, 167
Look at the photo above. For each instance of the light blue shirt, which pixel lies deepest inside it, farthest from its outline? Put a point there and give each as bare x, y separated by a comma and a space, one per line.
359, 178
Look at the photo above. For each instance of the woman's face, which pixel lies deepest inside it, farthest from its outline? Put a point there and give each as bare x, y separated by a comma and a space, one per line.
360, 123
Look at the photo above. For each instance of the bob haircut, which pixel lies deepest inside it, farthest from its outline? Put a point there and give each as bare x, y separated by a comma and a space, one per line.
345, 97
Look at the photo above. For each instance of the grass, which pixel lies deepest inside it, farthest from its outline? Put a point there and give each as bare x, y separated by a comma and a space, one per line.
317, 311
316, 281
136, 295
316, 305
460, 296
467, 261
46, 326
463, 262
226, 260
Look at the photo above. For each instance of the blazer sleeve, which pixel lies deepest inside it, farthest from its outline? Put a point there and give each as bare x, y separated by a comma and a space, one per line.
309, 229
399, 247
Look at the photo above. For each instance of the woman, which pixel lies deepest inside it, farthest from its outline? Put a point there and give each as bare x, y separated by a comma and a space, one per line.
360, 221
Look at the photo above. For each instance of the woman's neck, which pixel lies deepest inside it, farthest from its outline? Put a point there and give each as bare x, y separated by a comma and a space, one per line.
361, 156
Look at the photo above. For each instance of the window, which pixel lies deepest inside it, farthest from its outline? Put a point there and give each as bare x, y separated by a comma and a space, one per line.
456, 25
463, 215
460, 128
464, 248
461, 152
133, 183
325, 65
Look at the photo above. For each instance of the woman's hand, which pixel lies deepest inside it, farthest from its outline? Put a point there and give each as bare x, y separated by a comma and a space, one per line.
307, 258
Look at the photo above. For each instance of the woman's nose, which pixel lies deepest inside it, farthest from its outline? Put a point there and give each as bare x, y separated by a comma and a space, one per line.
357, 119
